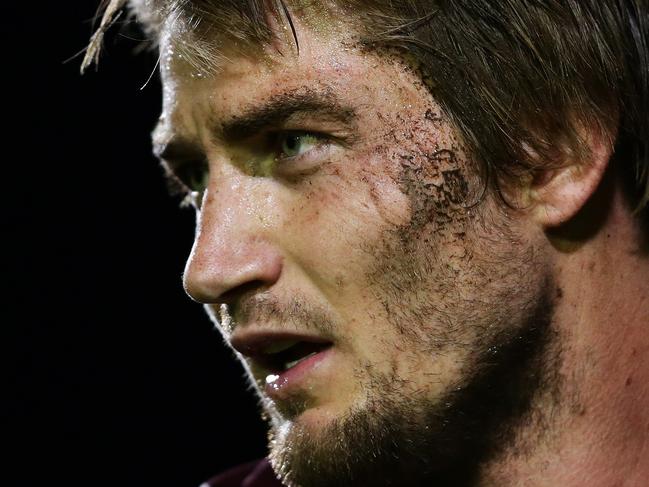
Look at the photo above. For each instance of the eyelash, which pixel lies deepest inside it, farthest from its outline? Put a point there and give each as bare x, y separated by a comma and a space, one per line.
279, 138
181, 181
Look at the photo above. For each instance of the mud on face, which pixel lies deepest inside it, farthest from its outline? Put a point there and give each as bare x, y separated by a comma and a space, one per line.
443, 273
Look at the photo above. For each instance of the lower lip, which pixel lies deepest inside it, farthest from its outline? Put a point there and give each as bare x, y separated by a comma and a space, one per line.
280, 386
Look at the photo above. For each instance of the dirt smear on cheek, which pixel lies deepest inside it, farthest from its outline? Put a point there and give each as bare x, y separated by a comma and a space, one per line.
433, 172
436, 189
423, 255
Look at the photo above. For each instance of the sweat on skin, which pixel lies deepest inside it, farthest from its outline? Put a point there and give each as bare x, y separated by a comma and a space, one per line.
464, 347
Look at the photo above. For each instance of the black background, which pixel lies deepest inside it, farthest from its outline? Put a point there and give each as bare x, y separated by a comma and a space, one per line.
113, 376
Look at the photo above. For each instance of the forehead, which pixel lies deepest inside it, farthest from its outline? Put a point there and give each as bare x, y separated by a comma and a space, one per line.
328, 62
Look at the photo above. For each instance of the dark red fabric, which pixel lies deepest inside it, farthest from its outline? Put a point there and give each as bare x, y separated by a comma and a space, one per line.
253, 474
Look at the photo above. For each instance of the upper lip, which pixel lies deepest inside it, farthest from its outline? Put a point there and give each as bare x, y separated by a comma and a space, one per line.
275, 352
255, 344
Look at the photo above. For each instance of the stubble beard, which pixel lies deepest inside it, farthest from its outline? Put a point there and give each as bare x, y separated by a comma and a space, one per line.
452, 280
399, 438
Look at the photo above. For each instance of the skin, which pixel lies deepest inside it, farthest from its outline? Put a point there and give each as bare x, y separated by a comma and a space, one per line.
465, 341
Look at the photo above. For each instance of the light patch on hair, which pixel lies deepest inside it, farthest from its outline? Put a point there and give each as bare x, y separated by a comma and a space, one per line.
111, 14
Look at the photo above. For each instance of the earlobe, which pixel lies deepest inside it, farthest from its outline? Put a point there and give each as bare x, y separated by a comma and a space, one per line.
559, 194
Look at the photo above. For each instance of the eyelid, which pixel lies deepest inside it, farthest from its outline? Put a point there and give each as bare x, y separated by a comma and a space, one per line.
177, 149
321, 140
309, 162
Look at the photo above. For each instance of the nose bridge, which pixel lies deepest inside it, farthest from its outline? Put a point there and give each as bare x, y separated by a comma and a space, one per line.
231, 249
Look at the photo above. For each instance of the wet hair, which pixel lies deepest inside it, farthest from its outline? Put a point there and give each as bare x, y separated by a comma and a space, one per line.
522, 80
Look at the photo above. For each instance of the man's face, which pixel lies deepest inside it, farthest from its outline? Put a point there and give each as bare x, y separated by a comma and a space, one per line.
379, 303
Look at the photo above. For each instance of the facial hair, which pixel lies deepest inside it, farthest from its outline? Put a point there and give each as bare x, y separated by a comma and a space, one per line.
454, 280
398, 439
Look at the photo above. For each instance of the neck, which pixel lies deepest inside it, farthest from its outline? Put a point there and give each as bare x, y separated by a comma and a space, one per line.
592, 428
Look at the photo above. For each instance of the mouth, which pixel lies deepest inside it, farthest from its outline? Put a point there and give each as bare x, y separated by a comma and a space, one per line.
282, 356
285, 361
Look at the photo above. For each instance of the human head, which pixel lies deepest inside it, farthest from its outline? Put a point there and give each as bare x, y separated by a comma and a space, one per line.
465, 98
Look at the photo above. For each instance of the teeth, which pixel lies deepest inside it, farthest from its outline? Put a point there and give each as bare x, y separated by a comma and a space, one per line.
293, 363
280, 346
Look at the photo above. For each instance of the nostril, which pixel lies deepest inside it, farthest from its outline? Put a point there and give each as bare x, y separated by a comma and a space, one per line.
250, 287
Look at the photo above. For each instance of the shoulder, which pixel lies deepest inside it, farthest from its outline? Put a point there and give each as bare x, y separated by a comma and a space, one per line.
252, 474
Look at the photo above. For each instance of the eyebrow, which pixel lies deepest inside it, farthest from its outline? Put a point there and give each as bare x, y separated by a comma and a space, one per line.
277, 110
281, 108
175, 152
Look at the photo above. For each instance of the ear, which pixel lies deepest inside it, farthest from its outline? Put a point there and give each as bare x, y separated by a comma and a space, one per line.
558, 195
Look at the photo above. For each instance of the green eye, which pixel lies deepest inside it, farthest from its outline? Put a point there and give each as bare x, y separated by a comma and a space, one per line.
195, 176
293, 145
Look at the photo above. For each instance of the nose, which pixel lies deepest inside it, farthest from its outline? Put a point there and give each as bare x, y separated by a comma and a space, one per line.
232, 251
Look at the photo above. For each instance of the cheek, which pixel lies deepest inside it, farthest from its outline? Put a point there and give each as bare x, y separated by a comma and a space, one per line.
390, 203
437, 183
334, 215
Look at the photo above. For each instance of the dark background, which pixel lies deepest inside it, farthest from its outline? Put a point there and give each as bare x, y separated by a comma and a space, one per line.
113, 376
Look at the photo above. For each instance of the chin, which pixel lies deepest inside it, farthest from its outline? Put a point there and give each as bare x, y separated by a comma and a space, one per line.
301, 418
301, 442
